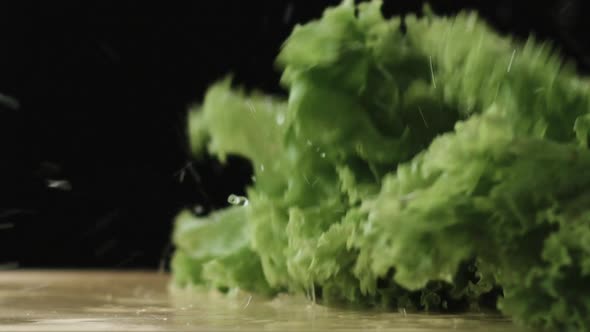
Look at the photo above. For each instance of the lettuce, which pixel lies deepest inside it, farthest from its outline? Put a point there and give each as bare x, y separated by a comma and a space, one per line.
423, 165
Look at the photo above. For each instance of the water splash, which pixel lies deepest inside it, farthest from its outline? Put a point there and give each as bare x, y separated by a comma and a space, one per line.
237, 200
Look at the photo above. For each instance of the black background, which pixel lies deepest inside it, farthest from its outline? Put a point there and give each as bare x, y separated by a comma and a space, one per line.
103, 91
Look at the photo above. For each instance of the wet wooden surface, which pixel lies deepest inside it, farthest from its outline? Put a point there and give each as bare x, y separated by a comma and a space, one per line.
142, 301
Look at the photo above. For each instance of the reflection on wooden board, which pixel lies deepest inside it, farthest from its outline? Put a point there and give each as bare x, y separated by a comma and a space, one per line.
142, 301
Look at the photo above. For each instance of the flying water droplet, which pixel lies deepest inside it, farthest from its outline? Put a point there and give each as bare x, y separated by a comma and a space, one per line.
9, 102
251, 106
199, 209
323, 155
237, 200
6, 226
280, 119
288, 13
59, 184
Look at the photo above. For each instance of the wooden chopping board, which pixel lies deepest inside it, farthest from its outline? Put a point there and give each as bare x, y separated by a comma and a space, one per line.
142, 301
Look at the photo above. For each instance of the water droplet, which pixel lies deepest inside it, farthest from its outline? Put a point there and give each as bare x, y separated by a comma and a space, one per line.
6, 225
262, 167
323, 155
237, 200
403, 311
309, 143
199, 209
253, 178
59, 184
9, 102
360, 150
280, 119
288, 13
8, 266
251, 107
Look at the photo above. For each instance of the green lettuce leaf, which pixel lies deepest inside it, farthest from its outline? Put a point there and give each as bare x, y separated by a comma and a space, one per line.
424, 167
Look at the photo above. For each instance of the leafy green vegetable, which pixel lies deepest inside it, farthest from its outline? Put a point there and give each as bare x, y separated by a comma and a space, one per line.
418, 168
